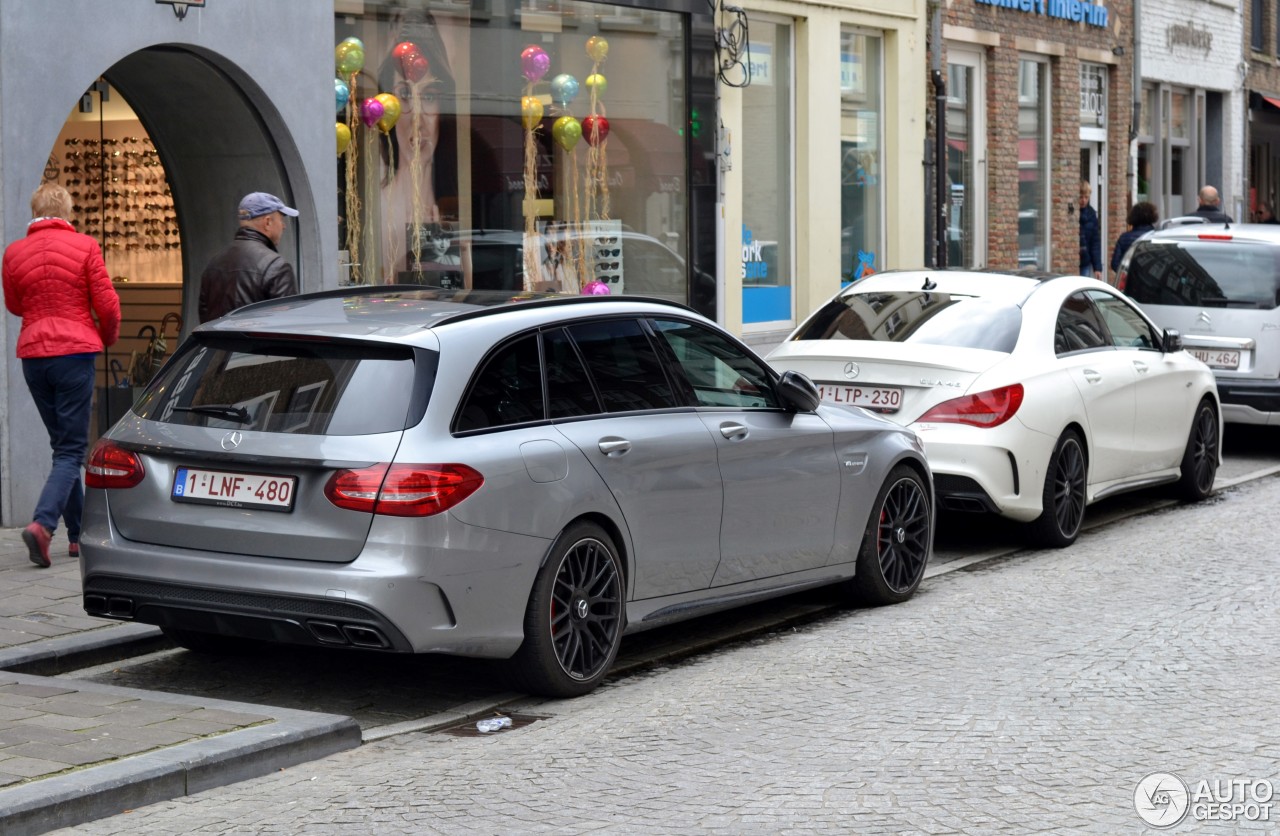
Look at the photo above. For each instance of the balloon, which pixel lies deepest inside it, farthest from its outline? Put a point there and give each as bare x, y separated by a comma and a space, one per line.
595, 129
344, 137
534, 63
595, 288
566, 132
413, 64
597, 84
390, 112
341, 93
349, 56
597, 48
564, 89
530, 112
370, 112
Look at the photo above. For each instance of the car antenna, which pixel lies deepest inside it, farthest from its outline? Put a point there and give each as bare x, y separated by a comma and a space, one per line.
929, 284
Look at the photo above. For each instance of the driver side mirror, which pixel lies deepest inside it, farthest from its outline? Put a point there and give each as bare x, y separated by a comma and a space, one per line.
1171, 341
798, 392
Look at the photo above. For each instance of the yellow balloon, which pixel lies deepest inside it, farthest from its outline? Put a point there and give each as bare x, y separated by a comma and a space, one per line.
597, 48
530, 112
344, 138
597, 83
390, 111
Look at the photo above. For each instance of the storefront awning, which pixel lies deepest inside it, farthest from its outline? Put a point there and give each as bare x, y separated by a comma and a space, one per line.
1261, 101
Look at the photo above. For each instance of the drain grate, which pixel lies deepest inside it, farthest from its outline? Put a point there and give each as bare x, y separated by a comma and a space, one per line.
468, 727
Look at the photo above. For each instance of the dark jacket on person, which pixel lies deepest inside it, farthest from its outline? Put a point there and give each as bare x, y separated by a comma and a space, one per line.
249, 270
1125, 241
1090, 241
1212, 214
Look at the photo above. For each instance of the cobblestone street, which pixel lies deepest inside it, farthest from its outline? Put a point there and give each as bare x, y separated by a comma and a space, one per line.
1028, 695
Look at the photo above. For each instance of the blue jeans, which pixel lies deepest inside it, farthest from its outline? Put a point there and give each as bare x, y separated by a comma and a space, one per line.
62, 388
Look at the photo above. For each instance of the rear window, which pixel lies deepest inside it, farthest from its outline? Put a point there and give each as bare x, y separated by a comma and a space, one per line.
308, 388
917, 317
1208, 274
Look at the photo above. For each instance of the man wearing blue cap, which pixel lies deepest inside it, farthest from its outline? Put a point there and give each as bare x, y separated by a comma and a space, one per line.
251, 269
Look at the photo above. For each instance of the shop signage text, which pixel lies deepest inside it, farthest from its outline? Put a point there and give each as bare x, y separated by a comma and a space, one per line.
1188, 35
1081, 11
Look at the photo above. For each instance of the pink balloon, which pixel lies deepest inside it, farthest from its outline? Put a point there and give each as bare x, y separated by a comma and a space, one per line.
595, 288
370, 112
534, 62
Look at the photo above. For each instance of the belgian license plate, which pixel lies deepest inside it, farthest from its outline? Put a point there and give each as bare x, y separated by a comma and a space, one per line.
878, 398
234, 490
1216, 359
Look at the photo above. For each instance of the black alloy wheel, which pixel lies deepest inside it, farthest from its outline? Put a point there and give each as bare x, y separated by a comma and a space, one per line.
1200, 461
895, 547
1064, 494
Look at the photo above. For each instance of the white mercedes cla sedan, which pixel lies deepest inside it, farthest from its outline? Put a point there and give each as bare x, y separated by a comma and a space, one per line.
1036, 395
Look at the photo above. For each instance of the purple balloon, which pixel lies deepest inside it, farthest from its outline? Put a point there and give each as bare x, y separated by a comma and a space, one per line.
596, 288
370, 112
535, 62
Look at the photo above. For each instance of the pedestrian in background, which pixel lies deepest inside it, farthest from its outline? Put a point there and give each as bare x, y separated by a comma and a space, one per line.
56, 281
251, 269
1210, 207
1090, 235
1265, 215
1142, 219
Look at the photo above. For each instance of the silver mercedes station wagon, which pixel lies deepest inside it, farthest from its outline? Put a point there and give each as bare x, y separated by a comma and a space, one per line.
413, 470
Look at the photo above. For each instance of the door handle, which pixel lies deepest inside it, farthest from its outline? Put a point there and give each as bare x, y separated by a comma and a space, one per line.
1091, 376
1140, 366
733, 432
614, 446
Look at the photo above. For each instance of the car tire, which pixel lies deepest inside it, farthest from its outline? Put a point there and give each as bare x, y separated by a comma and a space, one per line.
574, 621
1063, 499
895, 546
1200, 460
213, 644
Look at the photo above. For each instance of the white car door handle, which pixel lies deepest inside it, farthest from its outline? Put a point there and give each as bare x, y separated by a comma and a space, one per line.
1140, 366
614, 446
1092, 376
733, 432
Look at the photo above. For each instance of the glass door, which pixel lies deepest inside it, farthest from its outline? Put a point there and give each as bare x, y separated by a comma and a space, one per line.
966, 158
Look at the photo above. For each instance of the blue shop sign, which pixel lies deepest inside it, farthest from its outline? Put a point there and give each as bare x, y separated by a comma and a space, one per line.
1080, 11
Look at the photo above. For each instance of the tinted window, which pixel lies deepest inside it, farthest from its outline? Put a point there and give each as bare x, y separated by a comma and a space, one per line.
285, 387
720, 373
917, 317
1079, 326
1128, 328
508, 389
1236, 274
623, 364
569, 389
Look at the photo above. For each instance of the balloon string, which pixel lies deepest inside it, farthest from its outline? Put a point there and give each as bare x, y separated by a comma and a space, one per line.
352, 187
580, 240
531, 260
604, 171
371, 194
415, 176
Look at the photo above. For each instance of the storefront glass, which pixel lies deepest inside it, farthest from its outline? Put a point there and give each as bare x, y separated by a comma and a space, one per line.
861, 115
960, 167
538, 146
1033, 179
767, 183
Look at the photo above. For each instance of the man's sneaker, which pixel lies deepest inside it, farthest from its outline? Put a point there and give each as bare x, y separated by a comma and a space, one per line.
37, 538
73, 549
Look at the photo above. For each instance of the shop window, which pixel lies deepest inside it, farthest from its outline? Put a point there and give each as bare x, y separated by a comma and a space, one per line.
491, 175
861, 115
1033, 179
767, 286
1258, 19
965, 218
1093, 95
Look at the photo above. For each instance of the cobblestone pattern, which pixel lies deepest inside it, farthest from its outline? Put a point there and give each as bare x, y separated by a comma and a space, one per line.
1028, 695
38, 603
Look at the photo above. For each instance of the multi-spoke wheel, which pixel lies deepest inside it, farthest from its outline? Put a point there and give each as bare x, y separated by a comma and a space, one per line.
573, 625
896, 545
1064, 494
1200, 461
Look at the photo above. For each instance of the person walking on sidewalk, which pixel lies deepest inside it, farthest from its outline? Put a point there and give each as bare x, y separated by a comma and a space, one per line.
250, 269
56, 281
1090, 235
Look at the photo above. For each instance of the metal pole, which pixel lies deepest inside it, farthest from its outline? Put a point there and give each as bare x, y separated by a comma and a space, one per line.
941, 195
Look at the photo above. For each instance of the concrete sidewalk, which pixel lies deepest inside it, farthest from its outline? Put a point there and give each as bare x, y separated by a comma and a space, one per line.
74, 751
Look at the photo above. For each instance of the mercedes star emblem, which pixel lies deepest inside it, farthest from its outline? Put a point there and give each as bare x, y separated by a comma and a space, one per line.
851, 370
232, 440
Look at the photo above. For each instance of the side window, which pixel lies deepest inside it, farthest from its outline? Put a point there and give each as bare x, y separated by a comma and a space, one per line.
624, 365
719, 371
508, 389
1127, 326
1079, 327
569, 389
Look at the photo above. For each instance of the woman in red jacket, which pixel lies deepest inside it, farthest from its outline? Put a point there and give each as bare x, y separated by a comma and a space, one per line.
55, 279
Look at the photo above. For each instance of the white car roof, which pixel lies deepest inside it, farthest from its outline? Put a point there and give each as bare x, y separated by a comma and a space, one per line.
993, 284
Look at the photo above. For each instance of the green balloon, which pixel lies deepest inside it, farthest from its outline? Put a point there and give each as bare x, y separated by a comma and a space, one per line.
349, 57
566, 132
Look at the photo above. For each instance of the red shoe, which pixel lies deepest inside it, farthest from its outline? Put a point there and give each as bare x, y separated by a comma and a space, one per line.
37, 538
73, 549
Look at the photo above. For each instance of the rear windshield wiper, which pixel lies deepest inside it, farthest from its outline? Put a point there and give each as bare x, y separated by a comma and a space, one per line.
1224, 302
218, 410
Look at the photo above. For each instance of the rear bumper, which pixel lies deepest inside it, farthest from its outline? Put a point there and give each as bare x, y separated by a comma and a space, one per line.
1249, 401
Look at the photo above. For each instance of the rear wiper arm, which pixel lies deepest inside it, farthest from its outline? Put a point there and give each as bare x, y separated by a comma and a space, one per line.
218, 410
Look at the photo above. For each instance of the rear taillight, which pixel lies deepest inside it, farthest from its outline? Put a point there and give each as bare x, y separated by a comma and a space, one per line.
985, 409
1122, 278
112, 466
403, 490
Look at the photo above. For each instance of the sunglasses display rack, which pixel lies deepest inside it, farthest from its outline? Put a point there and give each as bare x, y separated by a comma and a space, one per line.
604, 253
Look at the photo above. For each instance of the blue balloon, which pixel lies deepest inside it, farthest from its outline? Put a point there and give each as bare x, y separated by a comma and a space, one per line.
564, 88
341, 92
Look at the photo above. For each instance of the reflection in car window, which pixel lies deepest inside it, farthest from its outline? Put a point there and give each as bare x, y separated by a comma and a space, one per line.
569, 390
508, 390
719, 372
1128, 328
623, 364
1079, 327
917, 317
1222, 274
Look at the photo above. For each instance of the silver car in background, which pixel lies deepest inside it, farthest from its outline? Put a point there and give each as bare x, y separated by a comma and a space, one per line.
424, 471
